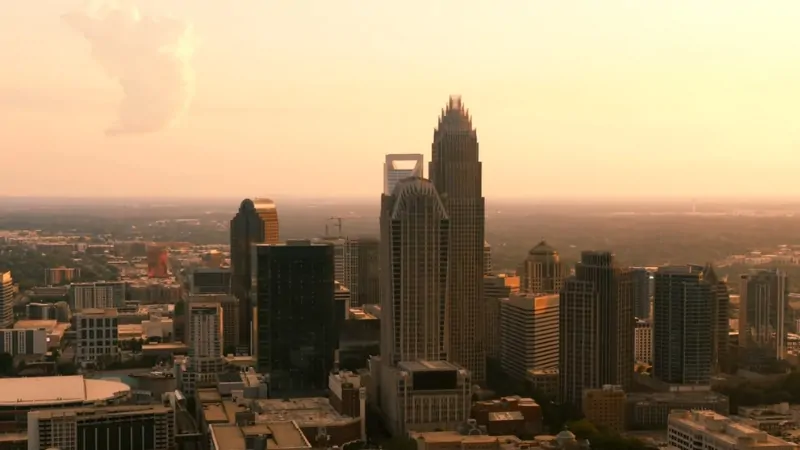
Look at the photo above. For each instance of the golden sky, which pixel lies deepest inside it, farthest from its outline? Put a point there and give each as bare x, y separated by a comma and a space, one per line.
304, 98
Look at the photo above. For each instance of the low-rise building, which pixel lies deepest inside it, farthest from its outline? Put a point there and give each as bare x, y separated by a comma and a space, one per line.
650, 411
424, 396
605, 407
54, 330
26, 342
691, 430
127, 427
512, 415
283, 435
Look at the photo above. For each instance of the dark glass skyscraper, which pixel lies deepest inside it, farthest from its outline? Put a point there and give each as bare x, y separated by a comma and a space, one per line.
683, 324
456, 172
255, 223
640, 277
296, 322
763, 313
596, 327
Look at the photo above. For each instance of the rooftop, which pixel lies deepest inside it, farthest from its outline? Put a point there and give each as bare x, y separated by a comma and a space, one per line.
33, 391
103, 411
279, 435
426, 366
306, 412
724, 429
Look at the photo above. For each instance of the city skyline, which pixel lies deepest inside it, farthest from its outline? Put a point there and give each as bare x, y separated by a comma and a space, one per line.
557, 87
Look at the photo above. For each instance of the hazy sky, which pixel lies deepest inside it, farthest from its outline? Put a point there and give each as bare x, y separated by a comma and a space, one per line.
570, 98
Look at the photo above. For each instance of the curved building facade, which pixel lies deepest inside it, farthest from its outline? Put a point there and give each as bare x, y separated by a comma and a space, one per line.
255, 223
416, 232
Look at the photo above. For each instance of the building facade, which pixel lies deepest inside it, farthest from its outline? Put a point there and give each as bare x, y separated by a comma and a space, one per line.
641, 279
296, 326
682, 325
362, 270
542, 271
59, 275
692, 430
415, 232
643, 341
96, 334
456, 172
596, 327
763, 307
99, 294
400, 166
6, 300
255, 223
100, 428
496, 288
205, 280
528, 333
204, 339
23, 342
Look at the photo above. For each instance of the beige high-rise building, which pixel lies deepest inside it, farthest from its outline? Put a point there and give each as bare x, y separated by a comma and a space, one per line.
230, 316
495, 288
542, 271
415, 239
456, 171
204, 339
419, 389
528, 333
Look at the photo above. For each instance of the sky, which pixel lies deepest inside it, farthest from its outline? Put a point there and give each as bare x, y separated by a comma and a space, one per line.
582, 99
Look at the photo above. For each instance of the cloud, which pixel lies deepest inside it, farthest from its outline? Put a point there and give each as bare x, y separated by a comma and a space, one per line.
149, 57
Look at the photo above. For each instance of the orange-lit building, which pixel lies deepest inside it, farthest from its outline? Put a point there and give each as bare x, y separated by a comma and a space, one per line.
157, 261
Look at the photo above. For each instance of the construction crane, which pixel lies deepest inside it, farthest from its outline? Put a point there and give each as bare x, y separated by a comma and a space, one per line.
337, 225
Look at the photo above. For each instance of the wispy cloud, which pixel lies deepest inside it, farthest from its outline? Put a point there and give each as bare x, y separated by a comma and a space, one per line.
149, 57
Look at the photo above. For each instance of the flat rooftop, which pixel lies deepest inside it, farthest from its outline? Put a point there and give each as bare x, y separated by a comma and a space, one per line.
723, 429
426, 366
280, 435
37, 391
223, 411
103, 411
307, 412
26, 324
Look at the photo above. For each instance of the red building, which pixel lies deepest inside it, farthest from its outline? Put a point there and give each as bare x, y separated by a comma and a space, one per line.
157, 262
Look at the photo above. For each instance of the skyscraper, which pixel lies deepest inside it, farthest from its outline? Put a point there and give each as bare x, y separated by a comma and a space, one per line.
541, 272
720, 325
640, 277
6, 300
296, 321
763, 304
415, 232
362, 270
255, 223
394, 170
596, 335
205, 344
419, 388
682, 325
456, 172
